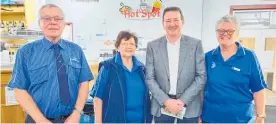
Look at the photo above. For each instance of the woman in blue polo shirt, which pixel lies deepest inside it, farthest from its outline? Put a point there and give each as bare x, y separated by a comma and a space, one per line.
234, 80
120, 94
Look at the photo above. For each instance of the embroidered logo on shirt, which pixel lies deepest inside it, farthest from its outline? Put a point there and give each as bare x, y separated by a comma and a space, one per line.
236, 69
213, 65
74, 59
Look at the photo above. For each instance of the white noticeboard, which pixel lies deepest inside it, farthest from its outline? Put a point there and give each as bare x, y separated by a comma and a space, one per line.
10, 97
67, 33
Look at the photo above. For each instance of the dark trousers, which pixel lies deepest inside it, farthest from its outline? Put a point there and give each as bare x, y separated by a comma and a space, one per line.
61, 119
168, 119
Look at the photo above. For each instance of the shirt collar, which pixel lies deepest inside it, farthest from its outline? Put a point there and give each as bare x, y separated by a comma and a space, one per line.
48, 44
177, 41
240, 51
118, 60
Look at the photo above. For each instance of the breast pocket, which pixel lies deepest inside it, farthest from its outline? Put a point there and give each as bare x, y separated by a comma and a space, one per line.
38, 73
74, 68
240, 77
38, 77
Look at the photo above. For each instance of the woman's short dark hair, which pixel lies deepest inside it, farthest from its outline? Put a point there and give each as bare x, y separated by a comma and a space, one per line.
125, 35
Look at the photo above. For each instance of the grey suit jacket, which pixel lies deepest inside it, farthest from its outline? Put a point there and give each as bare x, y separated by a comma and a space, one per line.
191, 74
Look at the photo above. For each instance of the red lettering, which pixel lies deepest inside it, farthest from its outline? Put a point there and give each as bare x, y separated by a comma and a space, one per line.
127, 13
153, 14
136, 13
144, 13
132, 14
158, 13
149, 15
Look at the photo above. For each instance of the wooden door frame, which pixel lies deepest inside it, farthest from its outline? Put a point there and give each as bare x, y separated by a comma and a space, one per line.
251, 7
256, 7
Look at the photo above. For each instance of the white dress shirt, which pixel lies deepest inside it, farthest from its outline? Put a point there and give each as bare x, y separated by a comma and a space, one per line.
173, 56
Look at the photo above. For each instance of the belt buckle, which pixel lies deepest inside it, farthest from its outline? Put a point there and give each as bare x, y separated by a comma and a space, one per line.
172, 96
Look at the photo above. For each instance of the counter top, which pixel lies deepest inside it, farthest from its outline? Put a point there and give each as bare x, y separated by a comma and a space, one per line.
6, 69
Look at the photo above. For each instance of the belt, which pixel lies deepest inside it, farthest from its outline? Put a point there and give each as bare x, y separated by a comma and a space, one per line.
172, 96
63, 117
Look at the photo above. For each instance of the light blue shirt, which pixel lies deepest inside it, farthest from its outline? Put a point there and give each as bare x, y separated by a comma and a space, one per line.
35, 71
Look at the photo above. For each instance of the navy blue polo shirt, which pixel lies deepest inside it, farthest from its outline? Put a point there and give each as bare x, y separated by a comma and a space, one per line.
35, 71
228, 95
135, 87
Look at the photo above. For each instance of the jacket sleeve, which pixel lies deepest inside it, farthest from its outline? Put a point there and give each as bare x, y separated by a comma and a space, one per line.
200, 79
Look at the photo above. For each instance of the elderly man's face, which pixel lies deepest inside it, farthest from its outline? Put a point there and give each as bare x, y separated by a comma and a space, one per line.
51, 22
173, 23
226, 33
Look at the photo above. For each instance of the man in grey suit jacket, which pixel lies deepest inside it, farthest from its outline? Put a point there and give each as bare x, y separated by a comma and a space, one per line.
175, 71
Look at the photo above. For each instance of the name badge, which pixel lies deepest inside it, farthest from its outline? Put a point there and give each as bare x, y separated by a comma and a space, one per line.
236, 69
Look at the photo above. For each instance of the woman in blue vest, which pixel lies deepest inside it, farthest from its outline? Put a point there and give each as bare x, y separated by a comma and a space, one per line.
120, 93
234, 80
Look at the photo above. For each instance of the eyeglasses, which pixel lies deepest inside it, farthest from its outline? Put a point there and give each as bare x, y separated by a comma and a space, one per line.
48, 19
222, 31
128, 44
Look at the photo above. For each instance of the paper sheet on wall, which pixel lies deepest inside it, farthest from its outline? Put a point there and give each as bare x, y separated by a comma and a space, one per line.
10, 97
180, 115
67, 33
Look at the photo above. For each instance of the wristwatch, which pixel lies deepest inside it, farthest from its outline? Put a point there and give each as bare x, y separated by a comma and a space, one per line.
79, 111
261, 115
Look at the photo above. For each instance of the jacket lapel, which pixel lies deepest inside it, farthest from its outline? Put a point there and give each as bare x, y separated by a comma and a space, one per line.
164, 53
182, 54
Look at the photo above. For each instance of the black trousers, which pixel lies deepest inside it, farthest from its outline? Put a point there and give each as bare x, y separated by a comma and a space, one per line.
60, 119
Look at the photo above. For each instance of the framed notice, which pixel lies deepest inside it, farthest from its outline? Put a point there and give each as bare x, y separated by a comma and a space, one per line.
10, 97
68, 32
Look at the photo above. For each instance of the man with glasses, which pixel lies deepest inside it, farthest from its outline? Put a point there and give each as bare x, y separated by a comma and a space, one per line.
51, 75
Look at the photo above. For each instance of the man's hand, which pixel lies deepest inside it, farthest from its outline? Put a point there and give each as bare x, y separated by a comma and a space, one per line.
73, 118
180, 103
259, 121
173, 106
199, 120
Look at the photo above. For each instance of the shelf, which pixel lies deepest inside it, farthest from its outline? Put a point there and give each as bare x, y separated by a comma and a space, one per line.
24, 34
12, 13
20, 37
12, 10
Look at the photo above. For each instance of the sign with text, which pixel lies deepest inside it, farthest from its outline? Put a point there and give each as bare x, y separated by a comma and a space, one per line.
145, 12
10, 97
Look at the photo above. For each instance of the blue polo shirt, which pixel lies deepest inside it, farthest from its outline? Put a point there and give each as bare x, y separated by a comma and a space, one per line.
135, 87
35, 71
228, 95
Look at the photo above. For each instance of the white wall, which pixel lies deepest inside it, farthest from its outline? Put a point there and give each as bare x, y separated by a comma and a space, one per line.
87, 19
38, 4
213, 10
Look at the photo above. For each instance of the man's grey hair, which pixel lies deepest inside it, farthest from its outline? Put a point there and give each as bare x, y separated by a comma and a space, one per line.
230, 18
49, 6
